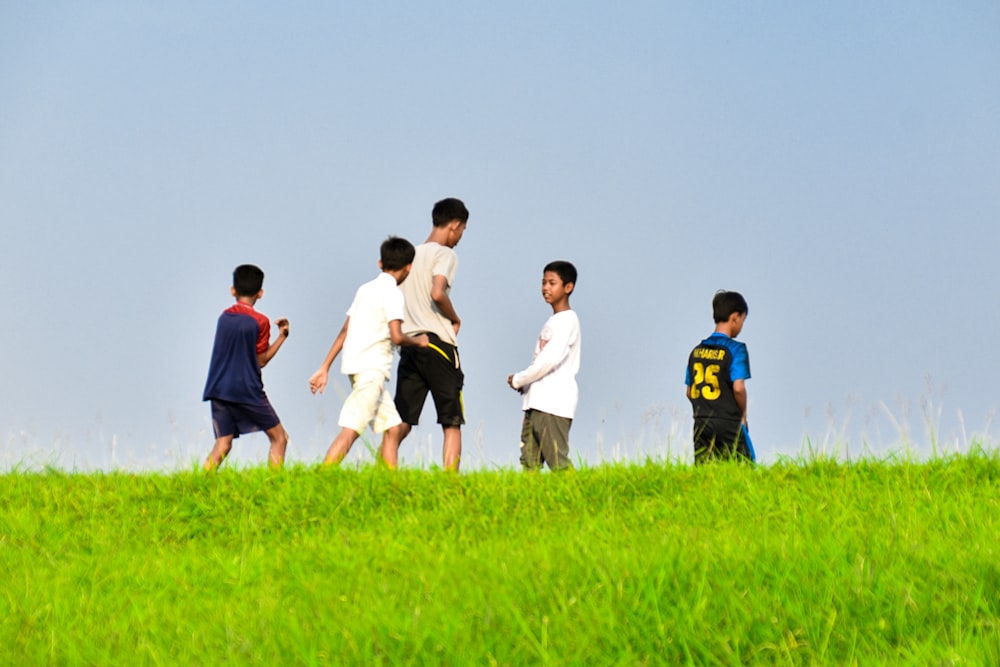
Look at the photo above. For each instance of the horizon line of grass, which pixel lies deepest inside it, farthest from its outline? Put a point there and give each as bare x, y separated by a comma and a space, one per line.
809, 456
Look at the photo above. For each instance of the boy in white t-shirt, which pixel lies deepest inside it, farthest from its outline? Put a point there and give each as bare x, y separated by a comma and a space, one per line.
549, 383
372, 327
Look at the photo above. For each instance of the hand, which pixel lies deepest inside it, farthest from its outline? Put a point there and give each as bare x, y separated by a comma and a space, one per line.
422, 340
510, 382
282, 324
318, 381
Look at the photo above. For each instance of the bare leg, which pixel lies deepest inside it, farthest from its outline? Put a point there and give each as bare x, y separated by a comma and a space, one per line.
219, 452
340, 446
279, 443
391, 439
452, 447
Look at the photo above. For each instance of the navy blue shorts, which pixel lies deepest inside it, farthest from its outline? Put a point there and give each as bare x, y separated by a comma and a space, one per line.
237, 418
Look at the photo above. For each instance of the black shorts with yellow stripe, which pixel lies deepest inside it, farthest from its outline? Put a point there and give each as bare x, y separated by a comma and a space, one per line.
435, 369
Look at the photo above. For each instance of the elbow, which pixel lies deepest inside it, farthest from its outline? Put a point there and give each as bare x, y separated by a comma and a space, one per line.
439, 293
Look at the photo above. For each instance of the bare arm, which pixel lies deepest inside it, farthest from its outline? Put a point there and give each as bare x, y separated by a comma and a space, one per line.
318, 380
397, 336
740, 394
268, 354
439, 295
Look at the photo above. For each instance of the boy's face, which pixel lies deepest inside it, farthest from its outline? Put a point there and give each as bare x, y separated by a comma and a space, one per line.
737, 320
554, 289
456, 228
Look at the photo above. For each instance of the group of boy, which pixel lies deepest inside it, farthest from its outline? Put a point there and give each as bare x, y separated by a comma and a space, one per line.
408, 306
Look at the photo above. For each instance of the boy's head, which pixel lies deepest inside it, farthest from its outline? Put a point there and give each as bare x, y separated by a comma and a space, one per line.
558, 282
450, 216
396, 253
448, 210
563, 269
248, 280
729, 310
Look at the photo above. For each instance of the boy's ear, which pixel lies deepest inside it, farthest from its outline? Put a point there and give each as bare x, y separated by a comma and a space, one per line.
232, 290
380, 265
569, 287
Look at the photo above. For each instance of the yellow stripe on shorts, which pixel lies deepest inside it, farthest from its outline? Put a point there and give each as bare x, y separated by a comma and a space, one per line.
442, 352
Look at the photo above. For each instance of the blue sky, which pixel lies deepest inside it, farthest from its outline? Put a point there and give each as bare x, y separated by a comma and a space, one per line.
835, 162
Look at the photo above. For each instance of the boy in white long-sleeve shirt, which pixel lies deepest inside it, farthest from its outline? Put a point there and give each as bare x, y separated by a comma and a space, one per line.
548, 385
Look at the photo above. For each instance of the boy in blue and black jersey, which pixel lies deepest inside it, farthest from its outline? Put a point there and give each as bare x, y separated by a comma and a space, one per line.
717, 371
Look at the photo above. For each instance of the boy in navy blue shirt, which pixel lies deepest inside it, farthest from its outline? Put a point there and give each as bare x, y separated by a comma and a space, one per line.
234, 385
716, 376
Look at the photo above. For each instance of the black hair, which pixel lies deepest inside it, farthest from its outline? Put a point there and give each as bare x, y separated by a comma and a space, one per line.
396, 253
447, 210
247, 280
565, 271
724, 304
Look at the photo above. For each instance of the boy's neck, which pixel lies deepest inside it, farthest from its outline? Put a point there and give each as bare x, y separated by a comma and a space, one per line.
438, 235
560, 306
733, 326
397, 274
248, 300
441, 235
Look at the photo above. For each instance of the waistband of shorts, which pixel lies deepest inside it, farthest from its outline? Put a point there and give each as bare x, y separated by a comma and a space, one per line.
434, 338
369, 375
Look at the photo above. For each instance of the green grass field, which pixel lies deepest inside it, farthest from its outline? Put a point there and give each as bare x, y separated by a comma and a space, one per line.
803, 563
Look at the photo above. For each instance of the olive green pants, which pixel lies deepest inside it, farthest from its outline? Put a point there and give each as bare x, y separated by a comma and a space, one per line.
545, 439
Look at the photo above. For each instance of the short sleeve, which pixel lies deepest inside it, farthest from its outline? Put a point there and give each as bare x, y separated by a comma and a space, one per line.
263, 334
445, 263
740, 369
393, 304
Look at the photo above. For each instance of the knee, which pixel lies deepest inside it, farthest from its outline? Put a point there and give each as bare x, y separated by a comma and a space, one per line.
400, 431
279, 437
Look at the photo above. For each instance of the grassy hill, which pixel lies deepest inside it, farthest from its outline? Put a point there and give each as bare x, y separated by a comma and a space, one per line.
813, 562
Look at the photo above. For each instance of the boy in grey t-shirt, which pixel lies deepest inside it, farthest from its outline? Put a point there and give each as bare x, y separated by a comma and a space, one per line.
429, 310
